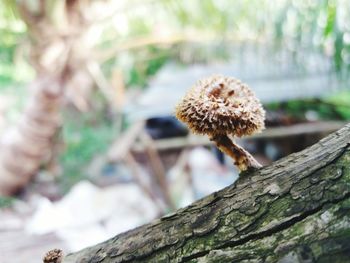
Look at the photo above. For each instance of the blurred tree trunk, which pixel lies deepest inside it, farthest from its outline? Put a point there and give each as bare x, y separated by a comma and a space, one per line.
296, 210
56, 29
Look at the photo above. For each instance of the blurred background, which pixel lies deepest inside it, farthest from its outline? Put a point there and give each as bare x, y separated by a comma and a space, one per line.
89, 143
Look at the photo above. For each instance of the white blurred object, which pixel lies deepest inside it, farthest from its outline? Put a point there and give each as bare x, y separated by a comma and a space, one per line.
88, 215
207, 174
181, 183
312, 115
77, 238
10, 221
6, 103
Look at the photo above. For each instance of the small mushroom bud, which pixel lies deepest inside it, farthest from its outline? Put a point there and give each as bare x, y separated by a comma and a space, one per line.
220, 106
53, 256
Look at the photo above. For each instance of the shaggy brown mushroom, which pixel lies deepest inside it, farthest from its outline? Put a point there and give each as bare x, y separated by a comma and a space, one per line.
53, 256
220, 106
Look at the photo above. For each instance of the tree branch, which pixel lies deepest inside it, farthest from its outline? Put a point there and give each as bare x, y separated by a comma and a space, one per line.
295, 209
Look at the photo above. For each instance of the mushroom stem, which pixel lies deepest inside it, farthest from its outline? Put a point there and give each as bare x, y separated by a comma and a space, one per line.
241, 157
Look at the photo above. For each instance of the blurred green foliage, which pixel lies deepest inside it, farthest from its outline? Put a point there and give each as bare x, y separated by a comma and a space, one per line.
8, 44
334, 107
321, 24
341, 102
84, 136
6, 201
12, 32
139, 65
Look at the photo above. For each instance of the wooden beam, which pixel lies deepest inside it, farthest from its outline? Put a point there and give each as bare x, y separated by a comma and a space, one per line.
276, 132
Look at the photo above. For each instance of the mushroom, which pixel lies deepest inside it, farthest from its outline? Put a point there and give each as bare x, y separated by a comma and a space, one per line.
53, 256
220, 106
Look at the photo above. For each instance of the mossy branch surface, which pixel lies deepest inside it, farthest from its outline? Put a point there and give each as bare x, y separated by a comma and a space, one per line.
297, 209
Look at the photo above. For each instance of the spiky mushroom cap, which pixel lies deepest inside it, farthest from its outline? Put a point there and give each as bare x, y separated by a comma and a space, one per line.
221, 105
53, 256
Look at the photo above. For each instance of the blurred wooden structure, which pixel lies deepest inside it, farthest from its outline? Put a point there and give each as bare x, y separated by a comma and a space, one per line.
275, 75
192, 140
135, 140
121, 150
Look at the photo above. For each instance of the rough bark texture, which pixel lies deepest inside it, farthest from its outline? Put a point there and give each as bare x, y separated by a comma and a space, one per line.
296, 210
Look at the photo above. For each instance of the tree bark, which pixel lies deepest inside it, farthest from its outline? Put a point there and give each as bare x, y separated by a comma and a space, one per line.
295, 210
56, 29
25, 147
